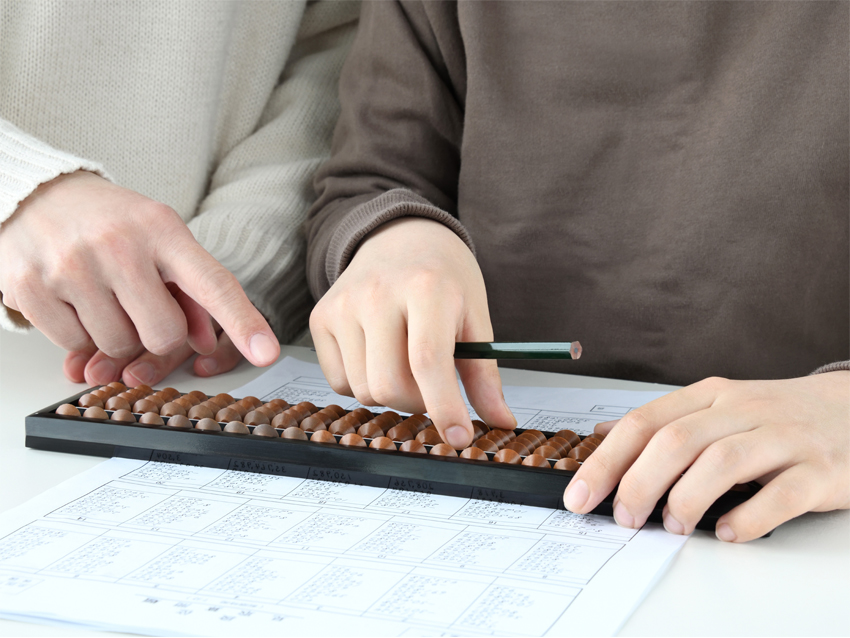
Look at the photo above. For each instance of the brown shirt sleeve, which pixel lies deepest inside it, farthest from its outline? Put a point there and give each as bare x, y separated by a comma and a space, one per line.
396, 149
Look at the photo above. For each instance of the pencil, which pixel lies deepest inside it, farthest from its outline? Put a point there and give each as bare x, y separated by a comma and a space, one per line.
518, 350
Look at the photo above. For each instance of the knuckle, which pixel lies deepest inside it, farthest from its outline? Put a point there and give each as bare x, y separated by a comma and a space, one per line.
672, 438
682, 507
714, 384
636, 423
724, 455
217, 287
362, 394
631, 492
386, 391
424, 355
339, 384
785, 493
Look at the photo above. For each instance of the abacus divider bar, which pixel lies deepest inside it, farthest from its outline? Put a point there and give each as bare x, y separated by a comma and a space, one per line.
518, 350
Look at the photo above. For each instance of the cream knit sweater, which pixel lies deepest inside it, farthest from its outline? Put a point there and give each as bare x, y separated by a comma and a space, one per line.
222, 110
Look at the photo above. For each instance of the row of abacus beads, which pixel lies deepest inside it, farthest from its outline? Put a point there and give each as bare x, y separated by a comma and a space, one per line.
355, 428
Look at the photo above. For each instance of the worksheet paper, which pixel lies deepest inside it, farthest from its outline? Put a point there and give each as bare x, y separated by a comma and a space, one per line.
162, 548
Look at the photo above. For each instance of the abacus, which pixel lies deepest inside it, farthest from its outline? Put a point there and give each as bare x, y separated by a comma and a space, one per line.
383, 449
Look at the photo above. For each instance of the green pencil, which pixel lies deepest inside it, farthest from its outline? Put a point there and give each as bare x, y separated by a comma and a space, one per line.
518, 350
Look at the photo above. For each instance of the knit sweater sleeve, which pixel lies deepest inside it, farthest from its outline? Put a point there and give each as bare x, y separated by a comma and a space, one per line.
25, 164
251, 220
396, 149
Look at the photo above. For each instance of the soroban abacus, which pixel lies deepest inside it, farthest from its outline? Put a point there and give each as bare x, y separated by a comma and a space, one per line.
529, 467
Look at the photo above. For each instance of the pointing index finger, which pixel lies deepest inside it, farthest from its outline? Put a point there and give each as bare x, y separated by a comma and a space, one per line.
215, 288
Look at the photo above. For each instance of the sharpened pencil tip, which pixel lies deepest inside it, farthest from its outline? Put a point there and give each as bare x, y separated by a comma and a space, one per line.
575, 350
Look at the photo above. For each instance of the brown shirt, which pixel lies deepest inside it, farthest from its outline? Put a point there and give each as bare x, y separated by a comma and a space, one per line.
666, 182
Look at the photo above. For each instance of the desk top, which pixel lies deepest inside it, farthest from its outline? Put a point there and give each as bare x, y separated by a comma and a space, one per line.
797, 582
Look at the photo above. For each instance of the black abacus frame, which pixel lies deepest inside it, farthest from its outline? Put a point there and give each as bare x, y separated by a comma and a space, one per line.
542, 487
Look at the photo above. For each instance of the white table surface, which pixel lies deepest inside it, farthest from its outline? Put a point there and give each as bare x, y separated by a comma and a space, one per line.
797, 582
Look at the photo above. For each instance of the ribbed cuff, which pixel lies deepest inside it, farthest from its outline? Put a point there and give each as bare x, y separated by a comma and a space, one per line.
26, 163
366, 217
833, 367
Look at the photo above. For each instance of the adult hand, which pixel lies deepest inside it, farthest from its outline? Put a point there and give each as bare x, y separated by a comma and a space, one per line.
791, 435
96, 368
386, 330
94, 265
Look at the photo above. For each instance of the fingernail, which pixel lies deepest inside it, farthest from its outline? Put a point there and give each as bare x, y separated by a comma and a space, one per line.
103, 371
457, 437
143, 371
208, 364
576, 496
725, 533
263, 349
622, 516
672, 525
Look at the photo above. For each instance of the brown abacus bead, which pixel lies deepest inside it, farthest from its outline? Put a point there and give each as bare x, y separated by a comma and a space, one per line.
284, 420
237, 427
94, 412
264, 429
363, 415
117, 386
479, 429
507, 456
294, 432
313, 424
103, 396
326, 417
337, 410
66, 409
272, 408
590, 444
143, 405
197, 394
535, 460
537, 435
247, 405
208, 425
443, 449
110, 392
413, 424
474, 454
499, 437
125, 416
252, 400
523, 448
117, 403
158, 401
306, 405
485, 445
579, 453
170, 392
180, 421
172, 409
569, 465
226, 415
223, 396
269, 412
279, 404
352, 440
129, 397
200, 412
322, 436
531, 439
548, 452
395, 416
297, 413
370, 430
144, 389
382, 443
256, 418
341, 427
183, 402
240, 409
413, 447
429, 437
151, 418
89, 401
571, 437
401, 433
560, 444
595, 435
215, 403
